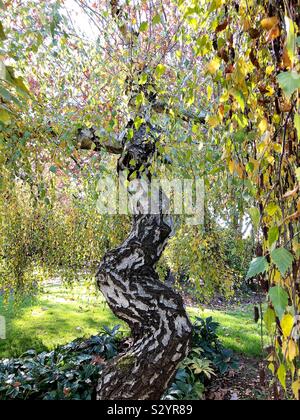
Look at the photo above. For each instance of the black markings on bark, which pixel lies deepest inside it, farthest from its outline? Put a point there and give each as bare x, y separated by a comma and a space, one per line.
155, 313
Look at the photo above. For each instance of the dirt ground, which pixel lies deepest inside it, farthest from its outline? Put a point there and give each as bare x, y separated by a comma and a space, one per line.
249, 382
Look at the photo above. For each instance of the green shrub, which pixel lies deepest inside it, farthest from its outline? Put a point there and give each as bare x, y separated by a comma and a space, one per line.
72, 371
205, 338
207, 359
68, 373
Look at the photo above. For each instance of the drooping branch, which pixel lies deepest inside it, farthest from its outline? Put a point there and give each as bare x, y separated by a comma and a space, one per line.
89, 139
182, 114
117, 12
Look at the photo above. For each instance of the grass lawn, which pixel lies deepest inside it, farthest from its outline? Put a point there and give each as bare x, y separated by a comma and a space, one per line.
59, 315
237, 330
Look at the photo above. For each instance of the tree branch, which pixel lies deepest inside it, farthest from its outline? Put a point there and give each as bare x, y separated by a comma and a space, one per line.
183, 114
89, 139
118, 16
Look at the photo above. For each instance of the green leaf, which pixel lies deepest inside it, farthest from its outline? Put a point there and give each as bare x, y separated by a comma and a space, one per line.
239, 98
132, 162
140, 99
289, 82
279, 299
144, 26
2, 34
2, 5
8, 73
258, 266
273, 236
53, 169
20, 85
272, 209
143, 79
138, 122
283, 260
8, 96
130, 134
254, 213
291, 37
156, 20
270, 319
160, 70
297, 125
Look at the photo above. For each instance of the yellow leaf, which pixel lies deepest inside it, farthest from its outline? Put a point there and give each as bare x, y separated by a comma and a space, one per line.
271, 160
246, 24
296, 389
287, 324
292, 350
221, 111
272, 209
297, 124
269, 70
231, 167
224, 97
281, 374
277, 147
239, 75
209, 92
213, 121
5, 116
263, 126
291, 38
276, 119
270, 92
272, 368
273, 34
269, 23
296, 247
286, 61
239, 170
292, 369
214, 65
277, 277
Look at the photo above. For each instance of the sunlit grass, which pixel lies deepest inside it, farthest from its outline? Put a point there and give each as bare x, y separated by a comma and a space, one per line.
237, 329
60, 314
57, 317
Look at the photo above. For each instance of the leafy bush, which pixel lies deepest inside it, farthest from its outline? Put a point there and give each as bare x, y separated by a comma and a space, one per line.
67, 373
205, 337
71, 372
185, 387
207, 358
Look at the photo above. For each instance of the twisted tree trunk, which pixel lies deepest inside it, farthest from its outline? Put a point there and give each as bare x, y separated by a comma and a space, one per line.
155, 313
